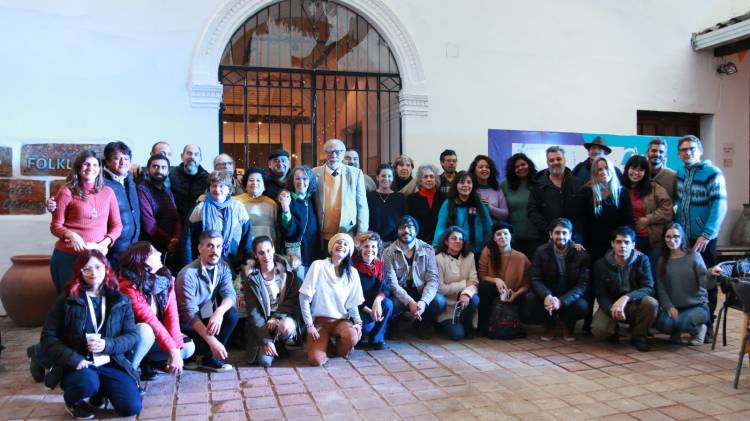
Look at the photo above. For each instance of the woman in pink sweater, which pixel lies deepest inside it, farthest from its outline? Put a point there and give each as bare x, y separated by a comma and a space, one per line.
87, 216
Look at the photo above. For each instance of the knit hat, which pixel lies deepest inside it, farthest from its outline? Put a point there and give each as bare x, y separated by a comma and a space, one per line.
501, 225
341, 236
408, 220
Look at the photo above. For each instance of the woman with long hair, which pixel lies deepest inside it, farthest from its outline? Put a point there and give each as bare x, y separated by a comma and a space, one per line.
329, 299
501, 270
261, 209
652, 207
464, 208
87, 217
458, 283
386, 206
377, 308
221, 213
86, 336
299, 222
681, 288
519, 179
424, 204
484, 171
150, 287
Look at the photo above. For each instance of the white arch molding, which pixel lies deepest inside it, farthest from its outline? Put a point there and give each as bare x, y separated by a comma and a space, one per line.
206, 91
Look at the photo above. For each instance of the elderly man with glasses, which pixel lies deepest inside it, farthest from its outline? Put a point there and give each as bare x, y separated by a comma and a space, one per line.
341, 200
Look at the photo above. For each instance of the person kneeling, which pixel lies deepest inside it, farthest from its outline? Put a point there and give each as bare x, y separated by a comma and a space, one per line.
150, 287
272, 302
329, 300
681, 289
624, 290
86, 335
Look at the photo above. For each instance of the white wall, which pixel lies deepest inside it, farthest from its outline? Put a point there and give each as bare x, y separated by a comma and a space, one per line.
87, 71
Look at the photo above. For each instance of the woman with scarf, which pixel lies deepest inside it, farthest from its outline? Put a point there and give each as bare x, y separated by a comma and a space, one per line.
150, 287
378, 307
465, 209
484, 171
425, 203
299, 222
220, 212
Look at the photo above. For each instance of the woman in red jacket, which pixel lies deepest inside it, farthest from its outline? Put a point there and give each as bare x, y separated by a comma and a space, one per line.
150, 287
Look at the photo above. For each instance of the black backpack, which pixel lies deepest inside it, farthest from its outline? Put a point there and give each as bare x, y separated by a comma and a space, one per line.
505, 321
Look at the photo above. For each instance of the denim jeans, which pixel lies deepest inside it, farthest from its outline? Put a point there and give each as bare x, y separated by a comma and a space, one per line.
107, 381
376, 330
146, 347
456, 331
436, 306
687, 321
61, 269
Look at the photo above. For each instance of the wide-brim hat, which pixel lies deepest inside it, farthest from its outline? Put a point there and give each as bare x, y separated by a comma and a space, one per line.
600, 142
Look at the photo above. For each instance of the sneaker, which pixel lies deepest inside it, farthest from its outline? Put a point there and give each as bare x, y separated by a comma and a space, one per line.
548, 335
217, 366
147, 372
640, 344
586, 331
698, 336
98, 402
568, 334
80, 411
676, 338
36, 369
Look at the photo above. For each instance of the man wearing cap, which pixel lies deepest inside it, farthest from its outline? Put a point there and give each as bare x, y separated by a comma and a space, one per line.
341, 200
597, 147
411, 273
278, 170
351, 158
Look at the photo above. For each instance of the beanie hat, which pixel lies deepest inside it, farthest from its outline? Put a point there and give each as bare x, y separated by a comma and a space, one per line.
408, 220
341, 236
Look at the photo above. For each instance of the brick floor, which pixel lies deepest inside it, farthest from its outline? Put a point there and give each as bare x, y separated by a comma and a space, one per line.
436, 379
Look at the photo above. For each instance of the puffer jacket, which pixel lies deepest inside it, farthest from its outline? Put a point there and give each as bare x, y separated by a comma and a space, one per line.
257, 303
64, 332
130, 213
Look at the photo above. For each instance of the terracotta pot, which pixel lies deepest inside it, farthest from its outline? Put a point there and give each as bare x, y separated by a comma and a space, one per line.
27, 291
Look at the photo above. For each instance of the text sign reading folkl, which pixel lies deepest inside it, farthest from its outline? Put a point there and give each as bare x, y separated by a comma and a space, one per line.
52, 159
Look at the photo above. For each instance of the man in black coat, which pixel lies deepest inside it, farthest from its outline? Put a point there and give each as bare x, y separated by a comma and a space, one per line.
559, 278
189, 180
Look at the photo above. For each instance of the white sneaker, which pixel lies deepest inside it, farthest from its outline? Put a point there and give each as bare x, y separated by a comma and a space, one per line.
698, 336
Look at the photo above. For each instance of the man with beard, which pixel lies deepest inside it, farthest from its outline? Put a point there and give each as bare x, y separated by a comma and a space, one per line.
555, 194
663, 176
205, 299
224, 162
189, 180
351, 158
160, 222
449, 162
159, 148
411, 272
278, 171
559, 278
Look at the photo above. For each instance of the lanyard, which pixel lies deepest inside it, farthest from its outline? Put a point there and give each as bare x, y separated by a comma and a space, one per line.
90, 303
212, 281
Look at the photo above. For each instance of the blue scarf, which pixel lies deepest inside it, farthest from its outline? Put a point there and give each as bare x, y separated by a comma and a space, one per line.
155, 285
212, 220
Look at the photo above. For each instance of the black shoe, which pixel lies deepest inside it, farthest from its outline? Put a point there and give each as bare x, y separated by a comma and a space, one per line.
36, 369
469, 333
80, 411
98, 402
640, 344
379, 346
613, 338
282, 351
586, 332
147, 372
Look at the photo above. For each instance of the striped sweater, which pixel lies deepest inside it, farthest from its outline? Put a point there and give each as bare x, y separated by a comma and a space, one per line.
701, 199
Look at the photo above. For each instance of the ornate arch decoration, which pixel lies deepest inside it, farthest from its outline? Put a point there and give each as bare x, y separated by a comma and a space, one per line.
206, 91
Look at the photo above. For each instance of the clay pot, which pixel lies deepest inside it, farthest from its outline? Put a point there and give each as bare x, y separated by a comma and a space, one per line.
27, 291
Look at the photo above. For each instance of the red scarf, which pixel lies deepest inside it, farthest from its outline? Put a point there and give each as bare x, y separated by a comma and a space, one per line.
428, 194
374, 269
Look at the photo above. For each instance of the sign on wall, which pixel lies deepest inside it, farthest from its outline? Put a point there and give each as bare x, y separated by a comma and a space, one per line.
54, 159
502, 144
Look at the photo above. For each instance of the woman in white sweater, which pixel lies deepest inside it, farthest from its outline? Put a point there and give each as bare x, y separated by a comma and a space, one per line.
458, 283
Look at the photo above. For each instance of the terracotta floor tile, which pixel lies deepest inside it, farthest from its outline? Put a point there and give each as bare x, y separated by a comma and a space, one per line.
680, 412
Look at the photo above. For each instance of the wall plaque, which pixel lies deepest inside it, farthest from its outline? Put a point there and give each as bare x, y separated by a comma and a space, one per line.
52, 158
22, 197
6, 161
54, 187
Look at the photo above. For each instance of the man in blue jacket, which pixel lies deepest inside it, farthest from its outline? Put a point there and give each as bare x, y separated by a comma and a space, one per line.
117, 156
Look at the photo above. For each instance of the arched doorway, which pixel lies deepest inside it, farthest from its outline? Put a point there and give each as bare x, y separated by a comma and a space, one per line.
299, 72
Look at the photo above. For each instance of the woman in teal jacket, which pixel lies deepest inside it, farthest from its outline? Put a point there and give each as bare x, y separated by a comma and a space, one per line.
464, 208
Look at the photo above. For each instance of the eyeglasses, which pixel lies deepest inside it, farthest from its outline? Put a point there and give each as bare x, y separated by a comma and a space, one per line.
335, 152
91, 269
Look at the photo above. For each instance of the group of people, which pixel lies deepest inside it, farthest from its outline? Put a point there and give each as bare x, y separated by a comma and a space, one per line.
329, 255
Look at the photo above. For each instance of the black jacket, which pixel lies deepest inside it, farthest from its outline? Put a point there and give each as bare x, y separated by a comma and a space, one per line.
302, 228
64, 332
186, 188
598, 229
545, 277
416, 206
547, 202
612, 281
258, 306
130, 213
